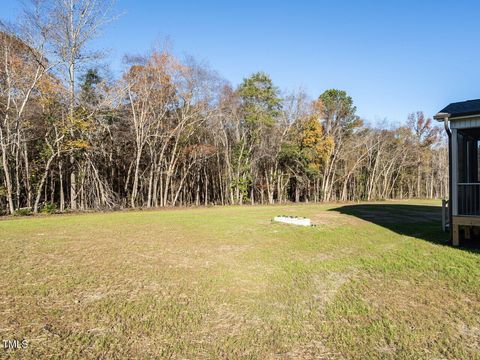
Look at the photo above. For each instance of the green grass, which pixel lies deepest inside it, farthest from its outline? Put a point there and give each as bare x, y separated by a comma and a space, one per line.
370, 281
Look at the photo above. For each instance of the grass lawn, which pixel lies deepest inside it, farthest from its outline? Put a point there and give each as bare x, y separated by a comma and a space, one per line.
369, 281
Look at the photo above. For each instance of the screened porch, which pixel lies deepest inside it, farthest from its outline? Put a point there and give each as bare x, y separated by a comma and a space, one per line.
468, 177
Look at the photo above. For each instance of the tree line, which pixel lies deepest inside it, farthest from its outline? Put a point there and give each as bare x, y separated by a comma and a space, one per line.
172, 132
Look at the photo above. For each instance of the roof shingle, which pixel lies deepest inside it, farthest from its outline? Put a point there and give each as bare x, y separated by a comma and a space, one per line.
463, 108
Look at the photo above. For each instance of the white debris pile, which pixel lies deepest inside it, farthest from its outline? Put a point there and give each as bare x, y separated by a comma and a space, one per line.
293, 220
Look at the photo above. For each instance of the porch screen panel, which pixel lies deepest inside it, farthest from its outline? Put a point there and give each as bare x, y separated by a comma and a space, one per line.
468, 174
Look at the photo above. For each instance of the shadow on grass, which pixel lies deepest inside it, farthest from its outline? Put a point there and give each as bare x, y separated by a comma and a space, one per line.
420, 221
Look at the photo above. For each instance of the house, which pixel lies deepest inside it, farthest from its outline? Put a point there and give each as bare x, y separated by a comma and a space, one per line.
462, 124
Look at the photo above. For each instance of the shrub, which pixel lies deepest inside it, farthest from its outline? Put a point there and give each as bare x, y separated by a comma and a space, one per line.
49, 208
23, 212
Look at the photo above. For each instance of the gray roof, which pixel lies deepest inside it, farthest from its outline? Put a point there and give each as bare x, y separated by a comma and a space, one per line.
463, 108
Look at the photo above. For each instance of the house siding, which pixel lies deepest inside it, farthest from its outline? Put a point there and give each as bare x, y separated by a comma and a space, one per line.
465, 123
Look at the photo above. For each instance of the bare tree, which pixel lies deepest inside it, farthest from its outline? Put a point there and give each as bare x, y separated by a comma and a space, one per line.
23, 63
74, 24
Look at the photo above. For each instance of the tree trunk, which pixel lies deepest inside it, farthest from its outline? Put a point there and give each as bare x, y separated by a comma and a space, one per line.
62, 193
6, 172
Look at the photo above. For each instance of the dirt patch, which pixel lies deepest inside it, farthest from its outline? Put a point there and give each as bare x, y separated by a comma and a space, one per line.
327, 286
333, 218
313, 350
471, 334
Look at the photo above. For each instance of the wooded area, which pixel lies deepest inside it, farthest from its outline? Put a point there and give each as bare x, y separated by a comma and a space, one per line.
172, 132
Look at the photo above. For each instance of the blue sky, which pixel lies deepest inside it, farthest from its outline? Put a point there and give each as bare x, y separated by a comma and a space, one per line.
392, 57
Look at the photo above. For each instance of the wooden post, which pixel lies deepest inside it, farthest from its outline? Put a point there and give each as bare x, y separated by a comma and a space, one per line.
444, 226
456, 235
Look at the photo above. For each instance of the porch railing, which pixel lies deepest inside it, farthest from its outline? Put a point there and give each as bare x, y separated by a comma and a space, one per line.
469, 199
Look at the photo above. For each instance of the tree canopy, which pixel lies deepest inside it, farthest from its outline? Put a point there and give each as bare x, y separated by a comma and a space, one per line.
171, 131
